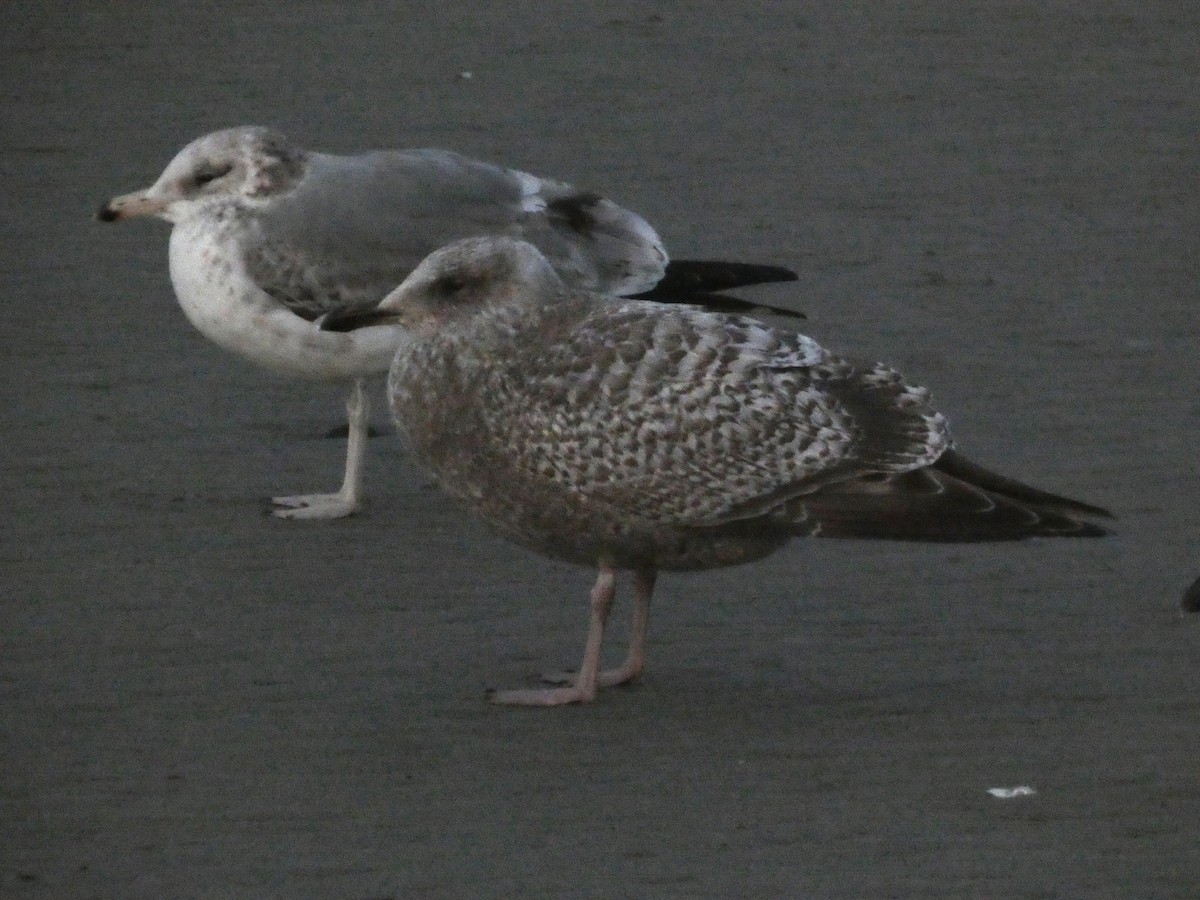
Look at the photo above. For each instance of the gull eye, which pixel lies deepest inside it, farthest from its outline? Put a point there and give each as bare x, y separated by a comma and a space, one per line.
448, 285
211, 173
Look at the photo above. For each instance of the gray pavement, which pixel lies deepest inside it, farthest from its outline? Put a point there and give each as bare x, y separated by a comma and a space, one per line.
197, 701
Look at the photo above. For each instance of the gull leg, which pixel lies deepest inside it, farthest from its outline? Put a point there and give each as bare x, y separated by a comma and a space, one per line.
584, 688
345, 501
635, 660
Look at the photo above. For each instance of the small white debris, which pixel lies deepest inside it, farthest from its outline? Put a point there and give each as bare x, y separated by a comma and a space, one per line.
1022, 790
466, 75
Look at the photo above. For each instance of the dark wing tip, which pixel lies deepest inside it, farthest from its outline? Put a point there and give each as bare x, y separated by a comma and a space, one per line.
953, 463
935, 505
106, 214
704, 275
701, 282
1078, 528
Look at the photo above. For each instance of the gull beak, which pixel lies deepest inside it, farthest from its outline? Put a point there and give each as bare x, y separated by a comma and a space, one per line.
352, 317
391, 310
129, 206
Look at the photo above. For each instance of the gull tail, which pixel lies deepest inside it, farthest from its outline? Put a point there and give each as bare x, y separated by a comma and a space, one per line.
952, 501
702, 281
708, 276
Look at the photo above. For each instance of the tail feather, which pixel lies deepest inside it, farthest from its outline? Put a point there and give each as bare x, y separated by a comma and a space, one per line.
954, 500
702, 281
960, 467
710, 276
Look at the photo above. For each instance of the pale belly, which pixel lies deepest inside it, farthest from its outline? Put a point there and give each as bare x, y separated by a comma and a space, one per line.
226, 306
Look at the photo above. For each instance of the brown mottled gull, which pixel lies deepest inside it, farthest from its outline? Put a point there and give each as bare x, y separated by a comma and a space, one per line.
633, 435
268, 237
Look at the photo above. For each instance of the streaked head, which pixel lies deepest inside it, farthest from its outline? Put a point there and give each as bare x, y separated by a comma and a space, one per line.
460, 280
226, 166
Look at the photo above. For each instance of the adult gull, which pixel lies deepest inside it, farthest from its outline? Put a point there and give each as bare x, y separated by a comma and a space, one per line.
631, 435
269, 236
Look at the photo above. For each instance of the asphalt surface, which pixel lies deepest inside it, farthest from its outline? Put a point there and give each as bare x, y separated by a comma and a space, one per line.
198, 701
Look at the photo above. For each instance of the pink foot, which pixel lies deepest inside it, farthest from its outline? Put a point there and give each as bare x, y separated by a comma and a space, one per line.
558, 696
608, 678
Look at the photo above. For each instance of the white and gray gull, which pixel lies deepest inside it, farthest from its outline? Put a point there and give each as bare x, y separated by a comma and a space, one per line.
632, 435
268, 237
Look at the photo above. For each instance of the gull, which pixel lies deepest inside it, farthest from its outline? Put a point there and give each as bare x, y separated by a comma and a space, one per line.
631, 435
268, 237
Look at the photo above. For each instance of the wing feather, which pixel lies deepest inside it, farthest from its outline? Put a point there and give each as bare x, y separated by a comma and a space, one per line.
686, 417
355, 226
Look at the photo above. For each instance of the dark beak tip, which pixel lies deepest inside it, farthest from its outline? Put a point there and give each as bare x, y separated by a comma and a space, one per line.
106, 214
352, 317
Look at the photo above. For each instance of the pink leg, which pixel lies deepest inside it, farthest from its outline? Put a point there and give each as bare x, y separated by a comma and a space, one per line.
635, 661
584, 688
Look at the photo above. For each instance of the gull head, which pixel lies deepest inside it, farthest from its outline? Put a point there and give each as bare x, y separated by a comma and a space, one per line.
458, 282
237, 166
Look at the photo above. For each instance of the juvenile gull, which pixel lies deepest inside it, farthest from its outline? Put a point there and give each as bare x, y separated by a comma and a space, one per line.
633, 435
268, 237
